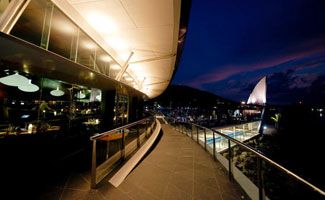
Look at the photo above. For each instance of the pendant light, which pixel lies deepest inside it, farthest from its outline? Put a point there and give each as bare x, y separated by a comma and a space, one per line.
14, 80
57, 92
29, 87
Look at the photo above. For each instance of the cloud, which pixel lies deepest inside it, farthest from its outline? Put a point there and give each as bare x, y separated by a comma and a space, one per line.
311, 48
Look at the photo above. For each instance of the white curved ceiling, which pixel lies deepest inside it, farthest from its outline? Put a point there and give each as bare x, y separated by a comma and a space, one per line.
148, 28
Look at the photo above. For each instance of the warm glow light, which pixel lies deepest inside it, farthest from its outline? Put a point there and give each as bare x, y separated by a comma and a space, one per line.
253, 100
30, 128
101, 22
105, 58
63, 26
128, 78
123, 54
115, 67
117, 43
89, 45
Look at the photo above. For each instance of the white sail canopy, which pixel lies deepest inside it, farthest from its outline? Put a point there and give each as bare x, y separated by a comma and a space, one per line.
258, 95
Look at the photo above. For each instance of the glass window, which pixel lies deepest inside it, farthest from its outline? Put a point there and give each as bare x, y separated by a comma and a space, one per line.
63, 36
36, 105
103, 61
3, 5
30, 25
86, 51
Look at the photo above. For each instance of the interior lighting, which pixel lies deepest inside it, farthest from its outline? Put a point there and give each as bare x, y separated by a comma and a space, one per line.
117, 43
128, 78
30, 128
57, 92
101, 23
115, 67
29, 87
80, 95
105, 58
14, 80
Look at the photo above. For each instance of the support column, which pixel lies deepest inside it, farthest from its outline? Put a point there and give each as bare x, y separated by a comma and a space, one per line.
108, 102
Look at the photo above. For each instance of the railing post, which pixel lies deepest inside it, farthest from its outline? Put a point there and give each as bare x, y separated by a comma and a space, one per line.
93, 165
123, 145
205, 139
214, 146
147, 126
182, 128
260, 179
197, 134
230, 161
138, 136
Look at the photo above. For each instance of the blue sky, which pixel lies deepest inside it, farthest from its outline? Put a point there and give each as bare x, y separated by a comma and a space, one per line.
231, 44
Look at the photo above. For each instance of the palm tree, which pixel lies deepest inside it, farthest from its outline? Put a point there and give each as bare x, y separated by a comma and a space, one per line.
276, 119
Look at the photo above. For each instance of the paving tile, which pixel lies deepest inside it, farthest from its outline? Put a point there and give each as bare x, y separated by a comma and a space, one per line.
78, 182
50, 194
69, 194
110, 192
178, 168
174, 193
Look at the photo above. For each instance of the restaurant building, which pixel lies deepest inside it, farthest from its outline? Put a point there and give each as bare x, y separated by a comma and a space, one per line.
80, 67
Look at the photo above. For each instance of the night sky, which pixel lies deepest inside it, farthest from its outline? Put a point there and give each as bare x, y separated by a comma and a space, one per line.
231, 44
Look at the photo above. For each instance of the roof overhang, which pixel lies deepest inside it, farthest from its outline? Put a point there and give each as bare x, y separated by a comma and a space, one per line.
148, 30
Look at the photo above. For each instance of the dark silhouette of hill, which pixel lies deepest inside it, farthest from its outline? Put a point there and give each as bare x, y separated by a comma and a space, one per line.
183, 96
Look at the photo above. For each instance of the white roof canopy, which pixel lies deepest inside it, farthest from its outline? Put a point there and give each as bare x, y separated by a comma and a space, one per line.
148, 28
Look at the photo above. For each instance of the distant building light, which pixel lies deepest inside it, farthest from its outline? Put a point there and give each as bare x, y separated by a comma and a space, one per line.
264, 127
30, 128
321, 114
243, 102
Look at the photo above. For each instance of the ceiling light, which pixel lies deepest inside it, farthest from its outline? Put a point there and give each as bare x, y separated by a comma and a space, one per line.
105, 58
14, 80
57, 92
117, 43
101, 22
89, 45
29, 87
128, 78
115, 67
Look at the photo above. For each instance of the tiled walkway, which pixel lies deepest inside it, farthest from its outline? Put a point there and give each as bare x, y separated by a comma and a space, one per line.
177, 168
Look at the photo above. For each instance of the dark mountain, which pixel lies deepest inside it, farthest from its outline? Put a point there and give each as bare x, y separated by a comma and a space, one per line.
184, 96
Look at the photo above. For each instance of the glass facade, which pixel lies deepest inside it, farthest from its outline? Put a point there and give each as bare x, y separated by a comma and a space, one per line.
47, 106
121, 109
44, 25
54, 105
3, 5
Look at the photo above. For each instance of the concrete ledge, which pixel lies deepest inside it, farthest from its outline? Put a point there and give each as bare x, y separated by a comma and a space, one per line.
122, 173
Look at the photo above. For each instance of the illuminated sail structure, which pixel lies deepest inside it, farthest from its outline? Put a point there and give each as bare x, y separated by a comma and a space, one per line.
258, 95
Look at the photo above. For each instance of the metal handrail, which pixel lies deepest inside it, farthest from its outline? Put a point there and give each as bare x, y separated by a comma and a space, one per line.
98, 135
122, 149
263, 157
